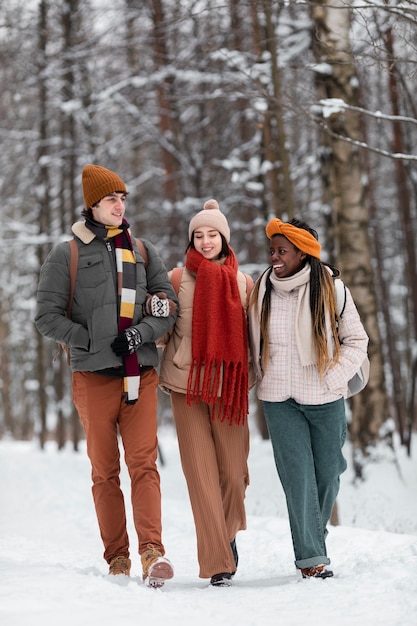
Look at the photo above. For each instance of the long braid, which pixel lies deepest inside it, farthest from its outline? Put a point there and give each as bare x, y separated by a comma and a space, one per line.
322, 298
265, 313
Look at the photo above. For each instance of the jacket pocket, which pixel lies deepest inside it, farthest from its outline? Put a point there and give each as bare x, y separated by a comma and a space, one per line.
182, 357
91, 271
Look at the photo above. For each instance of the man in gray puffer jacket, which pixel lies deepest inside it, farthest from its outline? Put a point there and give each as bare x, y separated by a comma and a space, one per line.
113, 357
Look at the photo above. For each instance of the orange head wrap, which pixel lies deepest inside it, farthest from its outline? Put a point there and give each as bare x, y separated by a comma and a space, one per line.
299, 237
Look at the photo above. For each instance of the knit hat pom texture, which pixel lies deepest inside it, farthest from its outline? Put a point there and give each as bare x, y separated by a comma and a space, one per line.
211, 204
210, 216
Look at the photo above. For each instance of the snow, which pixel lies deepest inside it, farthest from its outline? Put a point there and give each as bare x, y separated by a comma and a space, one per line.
52, 569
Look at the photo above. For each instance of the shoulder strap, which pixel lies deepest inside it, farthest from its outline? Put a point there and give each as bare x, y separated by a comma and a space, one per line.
176, 276
73, 268
249, 284
143, 252
340, 291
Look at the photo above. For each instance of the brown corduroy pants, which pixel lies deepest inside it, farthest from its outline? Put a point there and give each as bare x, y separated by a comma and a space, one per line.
104, 413
214, 461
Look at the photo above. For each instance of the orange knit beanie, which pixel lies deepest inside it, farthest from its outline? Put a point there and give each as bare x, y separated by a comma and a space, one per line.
299, 237
98, 182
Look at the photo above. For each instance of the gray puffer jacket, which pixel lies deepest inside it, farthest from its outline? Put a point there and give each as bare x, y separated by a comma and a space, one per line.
94, 323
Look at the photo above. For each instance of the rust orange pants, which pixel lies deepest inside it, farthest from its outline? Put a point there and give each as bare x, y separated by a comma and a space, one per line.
104, 415
214, 461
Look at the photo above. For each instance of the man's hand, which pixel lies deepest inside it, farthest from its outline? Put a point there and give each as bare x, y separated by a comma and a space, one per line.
127, 342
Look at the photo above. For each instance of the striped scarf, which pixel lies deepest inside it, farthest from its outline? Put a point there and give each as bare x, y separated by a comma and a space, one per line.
126, 291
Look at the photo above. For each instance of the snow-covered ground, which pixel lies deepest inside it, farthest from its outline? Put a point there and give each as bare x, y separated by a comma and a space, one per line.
52, 571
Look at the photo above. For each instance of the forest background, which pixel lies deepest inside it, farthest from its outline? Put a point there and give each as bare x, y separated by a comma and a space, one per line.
274, 108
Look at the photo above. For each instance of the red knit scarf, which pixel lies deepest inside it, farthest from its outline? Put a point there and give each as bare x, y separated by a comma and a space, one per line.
219, 339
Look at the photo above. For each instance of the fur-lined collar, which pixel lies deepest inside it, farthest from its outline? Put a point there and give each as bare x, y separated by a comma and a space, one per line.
81, 231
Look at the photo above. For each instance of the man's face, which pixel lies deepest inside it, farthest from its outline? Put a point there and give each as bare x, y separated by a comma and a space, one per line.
111, 209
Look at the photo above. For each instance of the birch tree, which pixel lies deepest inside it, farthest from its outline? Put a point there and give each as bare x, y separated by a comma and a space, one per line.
342, 179
222, 99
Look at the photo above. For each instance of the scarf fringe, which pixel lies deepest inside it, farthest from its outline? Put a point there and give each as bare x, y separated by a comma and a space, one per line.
233, 404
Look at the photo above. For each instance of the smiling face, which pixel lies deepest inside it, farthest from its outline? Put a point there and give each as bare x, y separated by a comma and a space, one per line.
111, 209
208, 242
284, 257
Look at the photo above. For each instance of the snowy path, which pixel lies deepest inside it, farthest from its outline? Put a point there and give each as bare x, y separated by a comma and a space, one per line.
52, 571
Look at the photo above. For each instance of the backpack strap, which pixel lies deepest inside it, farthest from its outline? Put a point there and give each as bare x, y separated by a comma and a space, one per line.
176, 276
340, 292
249, 285
73, 268
143, 252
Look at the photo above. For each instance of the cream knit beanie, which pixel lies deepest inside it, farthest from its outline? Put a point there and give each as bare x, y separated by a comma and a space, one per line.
210, 216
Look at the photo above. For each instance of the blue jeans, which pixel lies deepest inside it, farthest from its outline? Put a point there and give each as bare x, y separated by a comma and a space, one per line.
307, 441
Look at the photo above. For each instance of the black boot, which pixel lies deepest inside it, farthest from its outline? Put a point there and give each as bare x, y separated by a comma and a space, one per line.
221, 580
234, 550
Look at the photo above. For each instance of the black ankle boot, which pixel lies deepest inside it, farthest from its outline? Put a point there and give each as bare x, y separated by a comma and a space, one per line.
234, 550
221, 580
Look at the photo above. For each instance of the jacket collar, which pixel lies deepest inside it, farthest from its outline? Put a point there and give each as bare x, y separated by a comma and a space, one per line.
81, 231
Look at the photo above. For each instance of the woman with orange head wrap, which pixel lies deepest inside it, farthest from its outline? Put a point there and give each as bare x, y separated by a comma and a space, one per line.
305, 354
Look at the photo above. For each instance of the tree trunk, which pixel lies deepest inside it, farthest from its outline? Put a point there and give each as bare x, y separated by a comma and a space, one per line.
279, 194
334, 519
276, 152
43, 201
406, 215
71, 21
8, 422
342, 175
165, 110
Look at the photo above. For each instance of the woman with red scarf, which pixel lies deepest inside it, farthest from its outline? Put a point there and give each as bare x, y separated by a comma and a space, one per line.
205, 370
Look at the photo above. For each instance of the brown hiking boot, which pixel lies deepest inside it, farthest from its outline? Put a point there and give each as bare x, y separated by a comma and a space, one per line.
120, 565
156, 568
319, 571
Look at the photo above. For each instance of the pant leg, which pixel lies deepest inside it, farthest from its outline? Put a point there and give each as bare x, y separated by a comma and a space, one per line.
97, 400
232, 449
217, 513
138, 429
328, 434
295, 458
